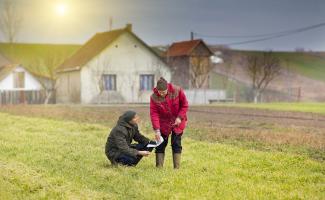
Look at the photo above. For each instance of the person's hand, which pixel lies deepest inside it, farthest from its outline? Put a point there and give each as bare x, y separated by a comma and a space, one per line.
157, 135
144, 153
178, 121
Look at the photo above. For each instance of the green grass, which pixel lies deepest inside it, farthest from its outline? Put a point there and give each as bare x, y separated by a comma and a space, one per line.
305, 64
53, 159
318, 108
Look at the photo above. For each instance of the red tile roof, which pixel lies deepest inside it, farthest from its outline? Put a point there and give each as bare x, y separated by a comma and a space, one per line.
184, 48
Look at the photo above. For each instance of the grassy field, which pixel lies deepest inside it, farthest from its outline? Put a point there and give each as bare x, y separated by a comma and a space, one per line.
297, 107
305, 64
61, 159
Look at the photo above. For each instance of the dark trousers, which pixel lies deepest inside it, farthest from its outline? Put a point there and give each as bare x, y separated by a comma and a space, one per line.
176, 144
128, 160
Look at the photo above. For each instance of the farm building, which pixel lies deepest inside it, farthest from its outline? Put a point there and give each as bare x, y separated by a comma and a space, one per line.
18, 85
191, 63
112, 67
39, 62
15, 77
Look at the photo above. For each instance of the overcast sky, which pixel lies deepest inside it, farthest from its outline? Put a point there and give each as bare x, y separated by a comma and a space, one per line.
165, 21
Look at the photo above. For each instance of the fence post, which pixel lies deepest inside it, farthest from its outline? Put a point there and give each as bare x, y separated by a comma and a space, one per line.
299, 94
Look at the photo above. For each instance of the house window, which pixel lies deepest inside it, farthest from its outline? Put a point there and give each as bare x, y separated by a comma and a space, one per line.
147, 82
109, 82
19, 79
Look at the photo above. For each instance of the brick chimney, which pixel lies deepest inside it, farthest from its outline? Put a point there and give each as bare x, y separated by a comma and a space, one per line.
128, 27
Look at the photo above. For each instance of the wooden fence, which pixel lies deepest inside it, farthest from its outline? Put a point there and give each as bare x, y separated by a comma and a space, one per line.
22, 97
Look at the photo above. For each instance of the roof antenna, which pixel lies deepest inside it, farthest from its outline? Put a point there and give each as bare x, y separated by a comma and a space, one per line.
110, 25
192, 35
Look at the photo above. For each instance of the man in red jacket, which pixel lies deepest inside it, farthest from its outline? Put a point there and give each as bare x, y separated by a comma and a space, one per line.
168, 108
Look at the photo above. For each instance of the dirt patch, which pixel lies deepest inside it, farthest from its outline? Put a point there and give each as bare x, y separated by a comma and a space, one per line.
240, 115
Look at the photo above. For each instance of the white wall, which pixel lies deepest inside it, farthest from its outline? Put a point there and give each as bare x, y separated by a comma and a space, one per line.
31, 83
202, 96
68, 87
128, 59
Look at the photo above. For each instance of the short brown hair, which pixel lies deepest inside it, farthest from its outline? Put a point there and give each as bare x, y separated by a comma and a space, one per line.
161, 84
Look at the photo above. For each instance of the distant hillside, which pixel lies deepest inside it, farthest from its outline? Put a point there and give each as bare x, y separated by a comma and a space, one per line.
302, 72
35, 56
308, 64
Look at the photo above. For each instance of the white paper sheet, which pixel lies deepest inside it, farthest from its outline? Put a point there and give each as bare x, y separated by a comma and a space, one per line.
161, 140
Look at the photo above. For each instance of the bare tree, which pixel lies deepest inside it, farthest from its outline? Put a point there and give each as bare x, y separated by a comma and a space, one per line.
10, 20
229, 79
228, 71
161, 70
262, 69
45, 66
98, 72
200, 68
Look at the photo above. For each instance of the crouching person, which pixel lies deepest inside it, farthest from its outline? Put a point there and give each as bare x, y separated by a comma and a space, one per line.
119, 149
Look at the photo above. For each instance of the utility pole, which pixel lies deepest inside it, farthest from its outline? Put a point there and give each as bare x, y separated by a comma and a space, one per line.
288, 79
192, 35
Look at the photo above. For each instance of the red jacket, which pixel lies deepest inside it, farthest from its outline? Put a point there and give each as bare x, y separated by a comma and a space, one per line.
164, 110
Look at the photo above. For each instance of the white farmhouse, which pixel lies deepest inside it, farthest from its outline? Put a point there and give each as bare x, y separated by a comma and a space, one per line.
112, 67
18, 85
17, 78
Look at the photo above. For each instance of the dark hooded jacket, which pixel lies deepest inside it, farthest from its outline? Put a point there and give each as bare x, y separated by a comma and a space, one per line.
120, 139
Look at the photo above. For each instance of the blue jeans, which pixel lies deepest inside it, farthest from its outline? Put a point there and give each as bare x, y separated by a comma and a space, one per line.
128, 160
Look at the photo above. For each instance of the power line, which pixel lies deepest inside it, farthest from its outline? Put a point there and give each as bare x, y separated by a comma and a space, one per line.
263, 37
260, 35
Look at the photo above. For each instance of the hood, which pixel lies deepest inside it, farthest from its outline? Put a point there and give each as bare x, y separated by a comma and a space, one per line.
122, 122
